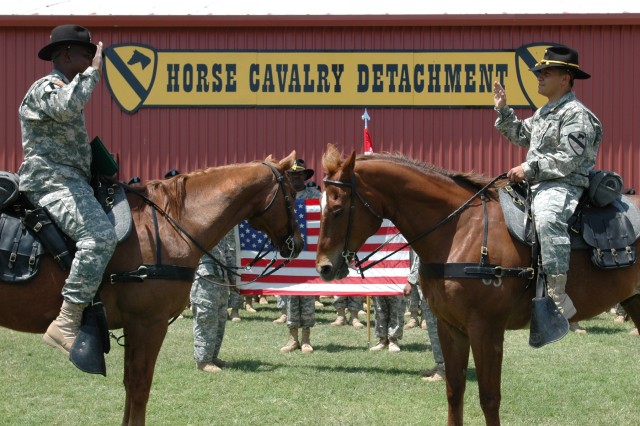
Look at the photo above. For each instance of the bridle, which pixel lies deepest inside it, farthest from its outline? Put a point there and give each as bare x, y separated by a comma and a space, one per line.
347, 254
290, 243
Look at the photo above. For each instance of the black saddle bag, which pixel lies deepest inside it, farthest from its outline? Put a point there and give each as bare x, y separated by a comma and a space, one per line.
20, 250
611, 236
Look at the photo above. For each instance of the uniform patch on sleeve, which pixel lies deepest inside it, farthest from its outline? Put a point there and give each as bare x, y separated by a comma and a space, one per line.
577, 142
52, 86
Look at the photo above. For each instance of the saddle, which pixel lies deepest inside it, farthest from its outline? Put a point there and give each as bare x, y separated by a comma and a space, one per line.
27, 232
609, 231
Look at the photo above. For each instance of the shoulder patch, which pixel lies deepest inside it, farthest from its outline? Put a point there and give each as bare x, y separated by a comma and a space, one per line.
577, 142
49, 88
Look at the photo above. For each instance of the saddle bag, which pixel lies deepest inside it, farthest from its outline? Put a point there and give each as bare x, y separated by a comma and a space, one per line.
604, 187
20, 250
9, 188
611, 236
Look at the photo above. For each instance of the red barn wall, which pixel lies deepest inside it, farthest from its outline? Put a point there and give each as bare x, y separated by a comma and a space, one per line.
154, 140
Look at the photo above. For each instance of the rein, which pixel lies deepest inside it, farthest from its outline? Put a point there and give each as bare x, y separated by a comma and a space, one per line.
174, 272
481, 269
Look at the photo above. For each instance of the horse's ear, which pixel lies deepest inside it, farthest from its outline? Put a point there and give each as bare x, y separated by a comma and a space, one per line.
288, 162
331, 159
348, 165
269, 159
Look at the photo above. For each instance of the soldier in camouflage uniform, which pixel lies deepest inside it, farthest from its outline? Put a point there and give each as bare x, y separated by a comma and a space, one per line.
56, 169
563, 138
389, 320
209, 299
235, 303
436, 373
301, 310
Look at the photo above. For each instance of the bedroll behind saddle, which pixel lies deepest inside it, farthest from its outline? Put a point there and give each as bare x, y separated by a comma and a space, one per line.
9, 188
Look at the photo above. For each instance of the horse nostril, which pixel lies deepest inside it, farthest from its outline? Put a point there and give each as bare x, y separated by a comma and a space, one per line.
325, 270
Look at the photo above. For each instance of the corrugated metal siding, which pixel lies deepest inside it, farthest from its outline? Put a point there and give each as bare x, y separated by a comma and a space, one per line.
151, 141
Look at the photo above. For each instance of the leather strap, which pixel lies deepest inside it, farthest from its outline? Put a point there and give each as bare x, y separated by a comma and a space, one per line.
472, 270
154, 272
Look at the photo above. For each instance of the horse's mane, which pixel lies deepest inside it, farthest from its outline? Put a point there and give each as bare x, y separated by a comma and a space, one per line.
173, 191
471, 180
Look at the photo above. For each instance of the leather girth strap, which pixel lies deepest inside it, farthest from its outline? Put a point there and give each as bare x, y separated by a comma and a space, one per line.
154, 272
157, 271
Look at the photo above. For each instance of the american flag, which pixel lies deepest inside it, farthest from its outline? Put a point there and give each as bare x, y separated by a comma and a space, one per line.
300, 278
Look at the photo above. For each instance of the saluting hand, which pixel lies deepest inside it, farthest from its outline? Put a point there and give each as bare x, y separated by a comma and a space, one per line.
97, 59
499, 96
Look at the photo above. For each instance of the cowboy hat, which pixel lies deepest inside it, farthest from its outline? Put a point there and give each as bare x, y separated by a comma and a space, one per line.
562, 57
299, 167
67, 34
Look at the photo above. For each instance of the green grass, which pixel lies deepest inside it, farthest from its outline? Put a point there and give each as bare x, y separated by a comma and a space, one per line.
581, 380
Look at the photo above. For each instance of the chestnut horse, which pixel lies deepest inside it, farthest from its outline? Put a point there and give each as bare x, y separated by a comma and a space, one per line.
360, 192
203, 205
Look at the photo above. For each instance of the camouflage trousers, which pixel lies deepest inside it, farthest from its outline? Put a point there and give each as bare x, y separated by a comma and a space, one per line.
389, 316
349, 303
301, 311
235, 298
432, 328
553, 205
281, 302
414, 300
209, 306
81, 218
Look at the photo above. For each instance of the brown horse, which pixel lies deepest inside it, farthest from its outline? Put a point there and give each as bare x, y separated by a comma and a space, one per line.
206, 204
416, 198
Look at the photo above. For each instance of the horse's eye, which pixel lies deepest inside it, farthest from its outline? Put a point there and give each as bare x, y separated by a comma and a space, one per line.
337, 211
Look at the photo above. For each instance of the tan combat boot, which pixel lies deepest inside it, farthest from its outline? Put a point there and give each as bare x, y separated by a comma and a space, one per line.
235, 315
340, 320
355, 322
249, 305
393, 345
306, 341
556, 287
413, 321
436, 374
208, 367
293, 343
281, 319
383, 343
63, 330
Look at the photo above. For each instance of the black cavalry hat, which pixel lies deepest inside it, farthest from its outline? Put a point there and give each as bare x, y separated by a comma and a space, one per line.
67, 34
563, 57
299, 167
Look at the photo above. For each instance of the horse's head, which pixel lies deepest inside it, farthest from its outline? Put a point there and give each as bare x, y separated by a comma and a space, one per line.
276, 217
348, 219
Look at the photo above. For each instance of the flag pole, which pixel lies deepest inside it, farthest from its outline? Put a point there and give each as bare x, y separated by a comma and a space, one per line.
369, 321
368, 149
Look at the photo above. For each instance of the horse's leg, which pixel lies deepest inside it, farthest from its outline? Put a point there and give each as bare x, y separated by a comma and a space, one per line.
143, 342
455, 350
487, 341
632, 307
